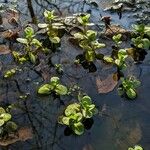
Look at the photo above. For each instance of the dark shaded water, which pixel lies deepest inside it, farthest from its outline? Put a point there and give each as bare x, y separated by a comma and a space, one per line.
125, 124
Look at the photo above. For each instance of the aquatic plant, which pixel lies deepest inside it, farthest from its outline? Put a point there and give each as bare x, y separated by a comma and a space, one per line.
75, 114
136, 147
117, 40
120, 60
9, 73
6, 125
128, 87
54, 86
51, 26
59, 68
142, 36
88, 42
32, 46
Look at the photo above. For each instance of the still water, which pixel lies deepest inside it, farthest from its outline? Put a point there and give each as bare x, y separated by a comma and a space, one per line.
123, 124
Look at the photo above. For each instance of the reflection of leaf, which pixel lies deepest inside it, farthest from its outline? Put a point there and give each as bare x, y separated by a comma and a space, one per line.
22, 135
106, 85
4, 49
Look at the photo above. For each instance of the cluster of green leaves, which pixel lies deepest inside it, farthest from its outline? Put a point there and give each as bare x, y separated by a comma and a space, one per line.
10, 73
6, 125
52, 27
32, 46
117, 40
119, 60
76, 113
128, 87
59, 68
54, 86
88, 39
136, 147
142, 38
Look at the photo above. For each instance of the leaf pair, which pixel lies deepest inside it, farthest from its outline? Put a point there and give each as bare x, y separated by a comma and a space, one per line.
53, 86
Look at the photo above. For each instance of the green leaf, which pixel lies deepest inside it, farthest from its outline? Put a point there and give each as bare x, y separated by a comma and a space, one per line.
72, 109
120, 91
108, 59
79, 36
137, 147
55, 80
29, 32
139, 28
117, 38
42, 25
5, 116
9, 73
90, 56
2, 110
91, 35
97, 45
65, 120
54, 40
32, 57
146, 43
84, 20
86, 100
1, 122
131, 93
11, 126
36, 43
61, 89
130, 148
78, 128
45, 89
22, 40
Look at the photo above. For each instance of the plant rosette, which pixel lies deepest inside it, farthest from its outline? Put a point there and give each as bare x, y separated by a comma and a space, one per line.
128, 87
6, 125
75, 115
54, 86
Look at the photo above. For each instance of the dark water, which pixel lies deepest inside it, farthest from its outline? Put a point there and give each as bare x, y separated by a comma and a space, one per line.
125, 124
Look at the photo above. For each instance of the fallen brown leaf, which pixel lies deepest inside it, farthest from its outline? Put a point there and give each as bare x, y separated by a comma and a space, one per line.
106, 85
23, 134
4, 49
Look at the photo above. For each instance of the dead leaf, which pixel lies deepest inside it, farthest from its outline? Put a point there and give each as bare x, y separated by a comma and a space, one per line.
10, 34
4, 49
23, 134
135, 135
106, 85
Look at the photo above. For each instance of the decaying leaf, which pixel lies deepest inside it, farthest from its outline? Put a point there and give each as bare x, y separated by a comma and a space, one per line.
4, 49
10, 15
10, 34
23, 134
106, 85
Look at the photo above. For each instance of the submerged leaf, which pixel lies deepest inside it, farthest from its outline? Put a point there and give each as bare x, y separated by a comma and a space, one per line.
106, 85
4, 49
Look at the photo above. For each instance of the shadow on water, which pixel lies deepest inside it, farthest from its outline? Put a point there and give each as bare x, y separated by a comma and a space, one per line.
122, 123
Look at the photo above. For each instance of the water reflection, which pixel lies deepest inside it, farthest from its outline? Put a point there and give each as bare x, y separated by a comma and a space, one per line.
124, 123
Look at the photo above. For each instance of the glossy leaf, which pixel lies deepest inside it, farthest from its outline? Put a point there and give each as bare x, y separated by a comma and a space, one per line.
45, 89
5, 117
61, 90
78, 128
22, 40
